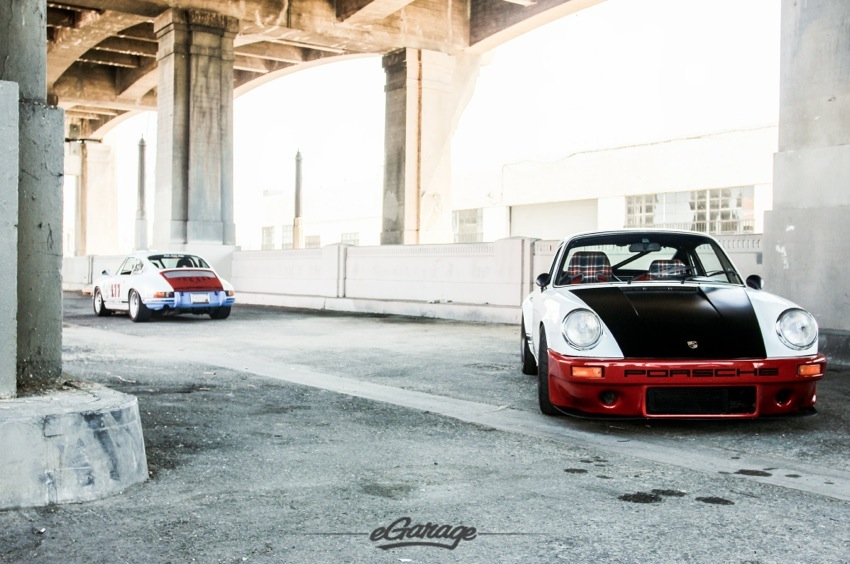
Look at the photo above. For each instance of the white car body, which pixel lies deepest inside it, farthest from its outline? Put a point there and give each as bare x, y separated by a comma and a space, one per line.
657, 314
162, 283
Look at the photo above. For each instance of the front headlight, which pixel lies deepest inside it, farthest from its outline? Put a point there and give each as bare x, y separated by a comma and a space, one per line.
797, 329
582, 329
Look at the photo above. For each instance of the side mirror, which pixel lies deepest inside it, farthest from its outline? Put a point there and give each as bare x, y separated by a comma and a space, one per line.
543, 280
755, 282
105, 273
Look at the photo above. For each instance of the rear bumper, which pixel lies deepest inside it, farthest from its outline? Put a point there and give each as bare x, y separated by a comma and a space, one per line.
191, 301
685, 389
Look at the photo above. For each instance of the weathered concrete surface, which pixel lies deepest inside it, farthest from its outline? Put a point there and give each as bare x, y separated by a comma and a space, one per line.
247, 466
9, 236
78, 444
40, 244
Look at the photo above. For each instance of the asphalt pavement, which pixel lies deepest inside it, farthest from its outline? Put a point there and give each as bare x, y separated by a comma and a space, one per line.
292, 436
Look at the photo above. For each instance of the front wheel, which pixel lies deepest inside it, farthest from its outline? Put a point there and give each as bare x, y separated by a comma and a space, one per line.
98, 305
529, 366
546, 406
138, 311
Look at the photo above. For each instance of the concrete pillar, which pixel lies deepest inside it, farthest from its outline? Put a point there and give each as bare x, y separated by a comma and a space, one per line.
808, 232
194, 193
23, 46
297, 230
426, 93
23, 36
9, 236
141, 240
99, 177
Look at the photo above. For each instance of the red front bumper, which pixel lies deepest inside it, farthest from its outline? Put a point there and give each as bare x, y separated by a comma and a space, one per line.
684, 388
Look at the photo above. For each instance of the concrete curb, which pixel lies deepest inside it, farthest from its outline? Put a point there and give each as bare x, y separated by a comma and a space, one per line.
77, 444
483, 313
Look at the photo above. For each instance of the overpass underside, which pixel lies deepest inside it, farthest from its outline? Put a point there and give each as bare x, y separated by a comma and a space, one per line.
430, 53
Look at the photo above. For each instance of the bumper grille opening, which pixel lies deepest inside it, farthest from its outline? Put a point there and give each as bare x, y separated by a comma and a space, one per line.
725, 400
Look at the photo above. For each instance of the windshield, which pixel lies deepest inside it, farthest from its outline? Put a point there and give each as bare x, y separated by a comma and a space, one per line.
177, 260
644, 257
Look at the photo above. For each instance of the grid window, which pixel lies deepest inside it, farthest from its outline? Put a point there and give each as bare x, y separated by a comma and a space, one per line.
286, 237
717, 211
350, 238
268, 239
468, 225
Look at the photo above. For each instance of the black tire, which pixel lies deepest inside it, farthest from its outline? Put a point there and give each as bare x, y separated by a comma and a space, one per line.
529, 365
546, 406
220, 313
97, 304
139, 312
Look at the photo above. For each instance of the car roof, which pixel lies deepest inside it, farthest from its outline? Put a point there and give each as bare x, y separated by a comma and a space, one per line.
635, 231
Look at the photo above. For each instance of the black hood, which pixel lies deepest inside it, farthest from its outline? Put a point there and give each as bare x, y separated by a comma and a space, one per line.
678, 321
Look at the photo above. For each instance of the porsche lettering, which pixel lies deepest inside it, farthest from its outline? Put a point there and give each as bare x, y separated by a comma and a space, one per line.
700, 372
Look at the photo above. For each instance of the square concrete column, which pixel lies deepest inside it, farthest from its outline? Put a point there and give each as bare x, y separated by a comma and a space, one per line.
426, 93
194, 177
808, 231
9, 236
38, 254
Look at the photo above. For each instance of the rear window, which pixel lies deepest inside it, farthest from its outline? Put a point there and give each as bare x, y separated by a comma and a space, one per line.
177, 260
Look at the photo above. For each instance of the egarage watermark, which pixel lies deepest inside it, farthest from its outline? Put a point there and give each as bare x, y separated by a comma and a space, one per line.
403, 532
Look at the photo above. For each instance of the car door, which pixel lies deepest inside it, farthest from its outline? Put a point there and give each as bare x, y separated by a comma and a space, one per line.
539, 298
119, 285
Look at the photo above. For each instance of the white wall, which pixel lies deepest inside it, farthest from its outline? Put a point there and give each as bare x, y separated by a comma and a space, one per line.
472, 281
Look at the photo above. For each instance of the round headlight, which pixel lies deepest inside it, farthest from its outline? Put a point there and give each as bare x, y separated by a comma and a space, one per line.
582, 329
797, 329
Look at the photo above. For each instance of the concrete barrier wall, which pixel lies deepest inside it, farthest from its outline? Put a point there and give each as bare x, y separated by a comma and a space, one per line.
473, 281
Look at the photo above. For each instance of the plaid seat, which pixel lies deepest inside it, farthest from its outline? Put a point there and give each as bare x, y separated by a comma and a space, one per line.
588, 266
665, 269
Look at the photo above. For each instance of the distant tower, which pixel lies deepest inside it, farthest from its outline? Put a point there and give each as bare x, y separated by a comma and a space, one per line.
297, 236
141, 218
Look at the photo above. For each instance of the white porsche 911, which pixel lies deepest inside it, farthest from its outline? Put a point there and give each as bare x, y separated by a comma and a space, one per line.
659, 324
155, 283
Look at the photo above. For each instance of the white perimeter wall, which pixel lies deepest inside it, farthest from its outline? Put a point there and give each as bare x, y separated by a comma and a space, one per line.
472, 282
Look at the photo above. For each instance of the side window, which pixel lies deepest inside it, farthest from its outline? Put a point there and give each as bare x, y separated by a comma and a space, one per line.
553, 267
126, 267
137, 268
712, 264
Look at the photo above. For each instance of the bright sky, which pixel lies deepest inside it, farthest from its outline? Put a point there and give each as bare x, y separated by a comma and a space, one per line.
622, 72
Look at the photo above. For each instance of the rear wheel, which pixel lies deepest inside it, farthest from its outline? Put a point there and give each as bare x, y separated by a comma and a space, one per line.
529, 366
220, 313
138, 310
546, 406
98, 305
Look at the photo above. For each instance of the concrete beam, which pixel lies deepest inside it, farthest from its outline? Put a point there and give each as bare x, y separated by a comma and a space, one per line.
367, 11
74, 43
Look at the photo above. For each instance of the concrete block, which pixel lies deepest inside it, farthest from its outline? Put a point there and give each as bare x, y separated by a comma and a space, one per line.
9, 235
79, 444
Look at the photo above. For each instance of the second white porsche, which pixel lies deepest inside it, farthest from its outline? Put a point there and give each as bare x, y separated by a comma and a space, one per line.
155, 283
